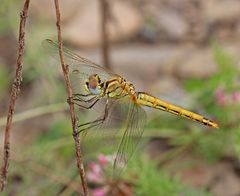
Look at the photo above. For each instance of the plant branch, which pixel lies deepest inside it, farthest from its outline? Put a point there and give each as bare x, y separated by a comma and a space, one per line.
71, 105
14, 94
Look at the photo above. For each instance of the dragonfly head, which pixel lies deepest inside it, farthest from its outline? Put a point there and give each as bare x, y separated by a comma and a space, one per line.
93, 84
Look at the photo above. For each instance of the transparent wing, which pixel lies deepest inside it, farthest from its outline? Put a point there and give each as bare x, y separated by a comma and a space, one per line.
119, 134
105, 136
132, 133
124, 124
80, 68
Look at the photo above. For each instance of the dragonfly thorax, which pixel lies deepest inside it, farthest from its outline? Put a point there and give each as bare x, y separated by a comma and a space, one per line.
93, 84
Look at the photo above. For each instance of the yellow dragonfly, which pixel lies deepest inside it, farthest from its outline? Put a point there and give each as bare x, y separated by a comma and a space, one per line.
92, 83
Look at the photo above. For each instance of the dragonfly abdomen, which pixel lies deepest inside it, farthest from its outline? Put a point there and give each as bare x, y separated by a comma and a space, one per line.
150, 101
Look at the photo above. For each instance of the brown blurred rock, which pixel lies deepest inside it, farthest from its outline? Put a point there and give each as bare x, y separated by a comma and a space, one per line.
84, 29
216, 11
46, 9
219, 178
238, 30
197, 64
169, 89
165, 85
228, 185
226, 182
198, 176
171, 25
145, 62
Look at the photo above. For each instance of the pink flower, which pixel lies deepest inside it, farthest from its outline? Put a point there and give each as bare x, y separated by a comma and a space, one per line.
94, 167
99, 191
92, 177
220, 97
95, 173
236, 96
102, 160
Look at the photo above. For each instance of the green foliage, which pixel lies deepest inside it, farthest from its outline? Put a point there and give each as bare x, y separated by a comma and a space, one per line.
4, 81
166, 120
150, 180
8, 15
57, 142
236, 141
212, 146
46, 165
216, 95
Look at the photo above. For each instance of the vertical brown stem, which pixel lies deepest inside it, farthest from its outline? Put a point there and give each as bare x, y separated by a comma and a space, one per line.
72, 113
104, 8
14, 94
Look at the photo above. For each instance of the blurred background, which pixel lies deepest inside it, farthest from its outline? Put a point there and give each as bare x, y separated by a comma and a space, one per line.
183, 51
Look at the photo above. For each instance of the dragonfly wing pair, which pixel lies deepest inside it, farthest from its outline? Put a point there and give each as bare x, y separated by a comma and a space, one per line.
128, 115
131, 134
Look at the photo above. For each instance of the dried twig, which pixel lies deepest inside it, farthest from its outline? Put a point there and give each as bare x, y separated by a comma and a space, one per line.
69, 91
14, 94
104, 8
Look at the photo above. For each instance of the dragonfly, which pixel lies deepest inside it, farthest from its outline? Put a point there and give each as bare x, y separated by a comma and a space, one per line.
92, 83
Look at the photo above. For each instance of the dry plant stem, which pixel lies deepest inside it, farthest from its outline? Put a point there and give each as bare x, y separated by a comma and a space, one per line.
69, 91
14, 94
104, 8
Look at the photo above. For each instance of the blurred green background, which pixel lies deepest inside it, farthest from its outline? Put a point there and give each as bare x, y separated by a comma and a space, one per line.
184, 52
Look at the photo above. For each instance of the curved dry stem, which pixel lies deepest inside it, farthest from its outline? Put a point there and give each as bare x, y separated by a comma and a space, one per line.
14, 94
70, 95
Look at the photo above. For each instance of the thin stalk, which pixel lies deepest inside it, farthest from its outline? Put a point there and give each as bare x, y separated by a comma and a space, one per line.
14, 95
71, 104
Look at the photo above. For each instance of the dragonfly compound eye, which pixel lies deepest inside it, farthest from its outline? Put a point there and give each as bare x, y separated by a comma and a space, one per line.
93, 84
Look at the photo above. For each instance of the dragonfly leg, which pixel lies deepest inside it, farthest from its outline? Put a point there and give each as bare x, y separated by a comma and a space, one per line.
77, 101
86, 107
78, 97
88, 100
96, 122
81, 95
